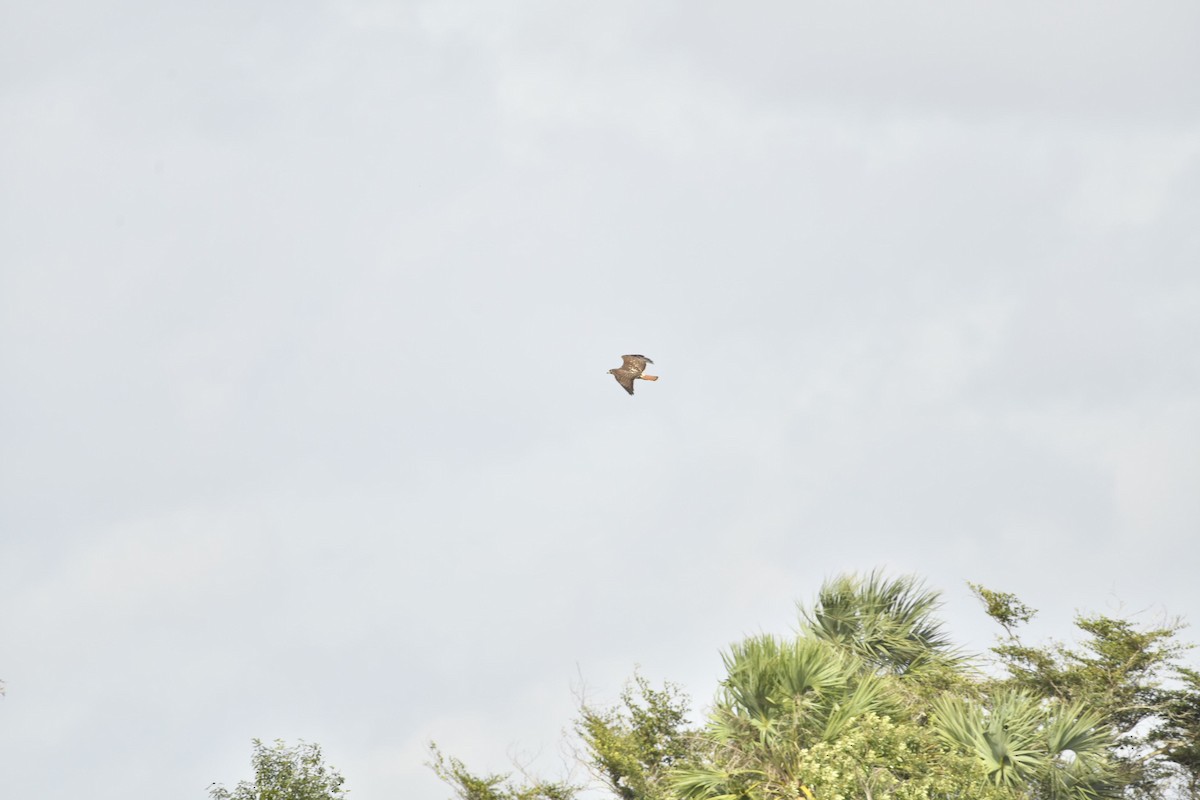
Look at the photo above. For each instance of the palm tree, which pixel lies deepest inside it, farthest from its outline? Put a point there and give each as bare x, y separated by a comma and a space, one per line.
778, 699
871, 701
889, 623
1057, 750
804, 688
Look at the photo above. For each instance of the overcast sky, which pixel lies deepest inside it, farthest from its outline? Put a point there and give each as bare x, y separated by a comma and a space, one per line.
306, 308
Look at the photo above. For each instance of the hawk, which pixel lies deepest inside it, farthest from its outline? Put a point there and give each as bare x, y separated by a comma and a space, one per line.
630, 370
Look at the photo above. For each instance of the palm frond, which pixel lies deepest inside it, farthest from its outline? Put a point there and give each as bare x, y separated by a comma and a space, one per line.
889, 622
1077, 729
866, 697
710, 783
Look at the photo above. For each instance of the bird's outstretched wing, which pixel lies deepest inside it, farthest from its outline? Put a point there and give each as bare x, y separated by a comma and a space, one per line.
625, 378
635, 363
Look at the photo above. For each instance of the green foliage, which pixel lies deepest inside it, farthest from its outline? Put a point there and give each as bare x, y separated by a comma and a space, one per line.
1124, 672
1118, 669
633, 746
1003, 607
879, 757
286, 773
889, 623
871, 702
1178, 732
469, 786
874, 757
1020, 741
793, 693
840, 711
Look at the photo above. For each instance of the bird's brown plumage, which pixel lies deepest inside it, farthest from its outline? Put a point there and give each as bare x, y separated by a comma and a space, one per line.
632, 368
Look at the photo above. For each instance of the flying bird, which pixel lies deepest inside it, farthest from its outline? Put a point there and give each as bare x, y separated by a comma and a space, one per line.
630, 370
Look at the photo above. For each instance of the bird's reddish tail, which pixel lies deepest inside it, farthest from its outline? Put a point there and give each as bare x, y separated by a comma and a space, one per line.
648, 377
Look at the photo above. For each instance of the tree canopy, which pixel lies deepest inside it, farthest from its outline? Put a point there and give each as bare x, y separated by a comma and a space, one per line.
872, 699
286, 773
